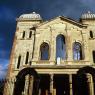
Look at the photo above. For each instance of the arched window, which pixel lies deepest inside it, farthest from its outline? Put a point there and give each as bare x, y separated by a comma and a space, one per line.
77, 51
23, 35
60, 47
30, 34
93, 53
91, 34
19, 60
44, 51
27, 56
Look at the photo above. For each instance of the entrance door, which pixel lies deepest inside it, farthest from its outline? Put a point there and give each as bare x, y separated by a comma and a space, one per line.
61, 84
44, 84
83, 87
80, 85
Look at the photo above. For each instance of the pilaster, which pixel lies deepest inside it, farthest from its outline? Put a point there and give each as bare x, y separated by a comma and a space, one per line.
90, 84
70, 82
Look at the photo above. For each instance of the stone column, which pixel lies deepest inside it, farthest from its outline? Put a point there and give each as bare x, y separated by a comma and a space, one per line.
30, 85
46, 92
70, 82
39, 92
28, 88
54, 91
13, 83
90, 83
51, 84
26, 85
9, 86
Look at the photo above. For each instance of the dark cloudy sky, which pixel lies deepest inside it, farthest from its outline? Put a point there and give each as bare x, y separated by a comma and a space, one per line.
11, 9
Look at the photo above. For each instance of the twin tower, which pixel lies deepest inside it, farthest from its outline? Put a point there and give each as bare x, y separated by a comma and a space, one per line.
55, 57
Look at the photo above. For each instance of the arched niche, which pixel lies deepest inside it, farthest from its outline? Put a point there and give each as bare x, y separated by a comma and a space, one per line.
60, 47
77, 51
44, 51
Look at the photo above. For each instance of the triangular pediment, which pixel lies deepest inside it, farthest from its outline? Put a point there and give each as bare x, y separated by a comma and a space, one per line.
60, 21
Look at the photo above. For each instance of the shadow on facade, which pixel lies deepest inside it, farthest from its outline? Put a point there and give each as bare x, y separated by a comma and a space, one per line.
41, 82
80, 81
20, 81
44, 87
61, 84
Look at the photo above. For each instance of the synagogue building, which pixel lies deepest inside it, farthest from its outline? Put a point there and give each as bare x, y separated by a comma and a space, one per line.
55, 57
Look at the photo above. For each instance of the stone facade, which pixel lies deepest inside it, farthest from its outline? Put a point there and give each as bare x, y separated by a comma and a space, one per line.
29, 74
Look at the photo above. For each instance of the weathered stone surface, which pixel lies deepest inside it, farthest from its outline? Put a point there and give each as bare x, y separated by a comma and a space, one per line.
47, 32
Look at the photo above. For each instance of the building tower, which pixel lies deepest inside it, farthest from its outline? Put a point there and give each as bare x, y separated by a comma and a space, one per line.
55, 57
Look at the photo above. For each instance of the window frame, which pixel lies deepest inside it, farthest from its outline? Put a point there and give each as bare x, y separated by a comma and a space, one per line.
64, 39
30, 34
91, 34
81, 54
18, 61
48, 52
23, 35
93, 53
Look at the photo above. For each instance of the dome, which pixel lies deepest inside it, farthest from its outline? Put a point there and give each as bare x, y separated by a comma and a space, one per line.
31, 16
88, 15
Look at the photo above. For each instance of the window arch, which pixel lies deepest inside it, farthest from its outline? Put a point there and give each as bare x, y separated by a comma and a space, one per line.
30, 34
23, 35
91, 34
19, 60
44, 51
77, 51
27, 56
60, 47
93, 54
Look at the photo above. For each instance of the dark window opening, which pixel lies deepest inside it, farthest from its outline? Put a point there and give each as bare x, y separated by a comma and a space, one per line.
23, 36
44, 49
61, 84
30, 34
77, 51
60, 47
19, 60
91, 34
93, 56
27, 56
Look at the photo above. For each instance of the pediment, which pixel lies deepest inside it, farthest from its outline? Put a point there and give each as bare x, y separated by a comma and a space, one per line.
60, 22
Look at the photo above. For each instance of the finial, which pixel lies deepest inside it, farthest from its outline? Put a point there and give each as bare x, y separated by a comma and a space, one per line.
33, 12
88, 12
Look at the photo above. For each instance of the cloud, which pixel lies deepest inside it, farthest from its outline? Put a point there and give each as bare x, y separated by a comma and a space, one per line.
3, 67
10, 9
4, 53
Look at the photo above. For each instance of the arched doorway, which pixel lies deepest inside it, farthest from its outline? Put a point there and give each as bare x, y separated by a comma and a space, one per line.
20, 82
83, 83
